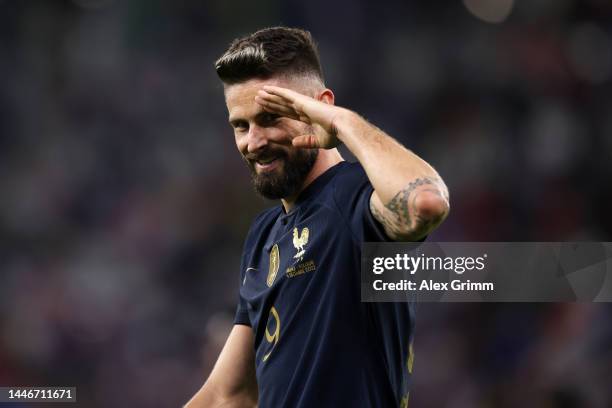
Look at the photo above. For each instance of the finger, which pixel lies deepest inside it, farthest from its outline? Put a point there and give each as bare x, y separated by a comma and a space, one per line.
277, 108
296, 106
273, 98
306, 141
285, 93
298, 101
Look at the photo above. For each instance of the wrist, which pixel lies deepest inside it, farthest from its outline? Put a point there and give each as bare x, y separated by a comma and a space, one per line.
344, 122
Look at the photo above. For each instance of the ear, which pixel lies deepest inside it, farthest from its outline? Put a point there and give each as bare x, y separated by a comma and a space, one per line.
326, 96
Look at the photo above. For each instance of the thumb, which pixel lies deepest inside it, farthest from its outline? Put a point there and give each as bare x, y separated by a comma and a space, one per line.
306, 141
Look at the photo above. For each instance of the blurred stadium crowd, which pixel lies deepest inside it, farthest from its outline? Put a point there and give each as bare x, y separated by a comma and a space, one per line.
124, 202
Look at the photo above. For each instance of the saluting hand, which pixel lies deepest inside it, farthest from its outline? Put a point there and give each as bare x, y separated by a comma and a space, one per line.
319, 115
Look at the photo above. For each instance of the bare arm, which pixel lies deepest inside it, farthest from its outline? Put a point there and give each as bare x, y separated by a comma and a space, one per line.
232, 382
409, 200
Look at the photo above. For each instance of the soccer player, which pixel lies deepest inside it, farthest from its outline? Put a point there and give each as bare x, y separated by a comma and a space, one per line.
302, 337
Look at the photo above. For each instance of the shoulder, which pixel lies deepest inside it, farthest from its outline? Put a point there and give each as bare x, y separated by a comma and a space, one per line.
263, 221
350, 170
266, 215
350, 179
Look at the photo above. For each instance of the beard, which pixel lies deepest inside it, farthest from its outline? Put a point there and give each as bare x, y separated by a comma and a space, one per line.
286, 180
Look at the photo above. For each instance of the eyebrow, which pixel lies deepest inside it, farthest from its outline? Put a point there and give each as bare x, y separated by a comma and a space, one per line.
233, 120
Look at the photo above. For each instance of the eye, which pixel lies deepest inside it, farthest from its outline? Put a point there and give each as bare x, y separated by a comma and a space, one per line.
269, 118
240, 125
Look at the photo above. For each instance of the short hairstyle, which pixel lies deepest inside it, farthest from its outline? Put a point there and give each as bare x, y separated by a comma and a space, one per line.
268, 52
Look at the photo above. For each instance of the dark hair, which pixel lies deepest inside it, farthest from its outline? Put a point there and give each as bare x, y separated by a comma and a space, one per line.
268, 52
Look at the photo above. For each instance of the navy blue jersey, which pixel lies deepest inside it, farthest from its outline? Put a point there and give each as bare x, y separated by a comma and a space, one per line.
316, 343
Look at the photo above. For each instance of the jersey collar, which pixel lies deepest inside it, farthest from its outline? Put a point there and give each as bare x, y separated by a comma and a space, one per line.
314, 187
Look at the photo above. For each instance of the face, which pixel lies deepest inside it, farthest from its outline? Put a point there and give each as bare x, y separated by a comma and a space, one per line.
278, 169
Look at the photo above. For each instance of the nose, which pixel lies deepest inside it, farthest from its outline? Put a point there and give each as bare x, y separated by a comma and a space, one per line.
256, 139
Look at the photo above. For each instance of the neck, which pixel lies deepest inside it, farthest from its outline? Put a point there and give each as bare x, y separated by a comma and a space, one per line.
326, 159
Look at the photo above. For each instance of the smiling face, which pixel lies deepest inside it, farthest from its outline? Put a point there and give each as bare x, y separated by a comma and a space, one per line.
278, 170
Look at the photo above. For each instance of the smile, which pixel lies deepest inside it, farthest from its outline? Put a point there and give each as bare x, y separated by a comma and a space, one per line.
267, 164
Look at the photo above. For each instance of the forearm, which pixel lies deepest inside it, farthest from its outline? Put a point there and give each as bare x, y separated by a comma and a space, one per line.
208, 396
409, 199
412, 197
232, 382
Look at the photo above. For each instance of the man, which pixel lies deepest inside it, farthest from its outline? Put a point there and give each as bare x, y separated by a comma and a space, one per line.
302, 338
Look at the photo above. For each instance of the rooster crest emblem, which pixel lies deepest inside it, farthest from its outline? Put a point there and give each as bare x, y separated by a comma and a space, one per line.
299, 241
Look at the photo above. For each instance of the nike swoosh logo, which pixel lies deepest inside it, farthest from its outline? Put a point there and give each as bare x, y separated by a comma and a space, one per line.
250, 268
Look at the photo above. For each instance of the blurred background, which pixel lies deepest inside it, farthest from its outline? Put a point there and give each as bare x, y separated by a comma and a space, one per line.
124, 203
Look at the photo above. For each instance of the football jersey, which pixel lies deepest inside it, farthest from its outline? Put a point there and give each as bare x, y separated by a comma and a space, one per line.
316, 343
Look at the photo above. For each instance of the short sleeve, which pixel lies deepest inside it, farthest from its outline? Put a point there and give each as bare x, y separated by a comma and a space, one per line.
242, 311
352, 192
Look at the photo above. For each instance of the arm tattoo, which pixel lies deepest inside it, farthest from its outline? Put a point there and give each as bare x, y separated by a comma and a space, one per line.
401, 203
401, 214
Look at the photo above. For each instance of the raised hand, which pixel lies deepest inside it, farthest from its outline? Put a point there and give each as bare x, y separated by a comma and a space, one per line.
319, 115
